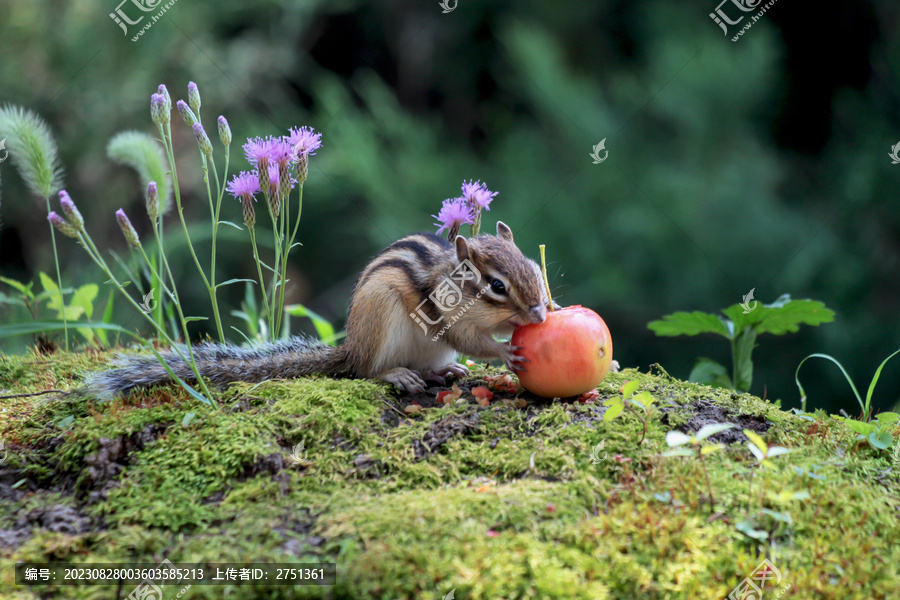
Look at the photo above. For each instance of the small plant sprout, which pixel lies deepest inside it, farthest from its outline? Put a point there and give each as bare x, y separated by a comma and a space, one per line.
643, 402
876, 433
741, 329
679, 441
763, 453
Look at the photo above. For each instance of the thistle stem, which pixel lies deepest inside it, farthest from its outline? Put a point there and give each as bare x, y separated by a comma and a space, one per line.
544, 272
62, 303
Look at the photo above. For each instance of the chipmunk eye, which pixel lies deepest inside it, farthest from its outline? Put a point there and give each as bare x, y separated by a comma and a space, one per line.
498, 286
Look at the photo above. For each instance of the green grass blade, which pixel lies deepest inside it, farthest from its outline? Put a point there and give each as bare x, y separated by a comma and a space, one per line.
840, 366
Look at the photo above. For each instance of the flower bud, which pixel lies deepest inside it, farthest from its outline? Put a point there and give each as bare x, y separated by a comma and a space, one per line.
64, 226
202, 139
224, 131
262, 169
302, 167
194, 96
186, 113
71, 211
127, 229
152, 201
249, 211
165, 93
158, 111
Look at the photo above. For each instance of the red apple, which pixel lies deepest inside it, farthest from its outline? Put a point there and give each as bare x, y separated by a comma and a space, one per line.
569, 353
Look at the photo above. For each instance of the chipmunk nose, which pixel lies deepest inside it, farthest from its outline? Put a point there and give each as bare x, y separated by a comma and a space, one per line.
538, 314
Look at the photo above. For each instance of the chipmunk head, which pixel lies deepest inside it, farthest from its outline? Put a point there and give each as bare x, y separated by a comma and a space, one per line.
508, 287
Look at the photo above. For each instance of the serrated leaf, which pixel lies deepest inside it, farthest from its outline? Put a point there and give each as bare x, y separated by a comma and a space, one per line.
84, 297
676, 438
685, 323
712, 429
782, 316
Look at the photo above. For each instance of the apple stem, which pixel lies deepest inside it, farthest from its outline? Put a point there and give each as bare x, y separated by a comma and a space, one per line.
546, 279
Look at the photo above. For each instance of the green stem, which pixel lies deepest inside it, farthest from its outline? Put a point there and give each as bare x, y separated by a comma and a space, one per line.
546, 279
62, 303
276, 271
262, 283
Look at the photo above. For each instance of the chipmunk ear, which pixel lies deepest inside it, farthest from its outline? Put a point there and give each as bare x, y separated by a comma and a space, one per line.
462, 248
503, 231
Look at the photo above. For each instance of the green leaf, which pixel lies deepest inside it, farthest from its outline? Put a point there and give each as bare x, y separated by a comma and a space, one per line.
757, 440
779, 516
676, 438
323, 327
759, 454
682, 451
56, 301
777, 451
746, 527
710, 449
643, 400
614, 409
32, 327
191, 319
188, 417
84, 298
840, 366
709, 372
65, 423
230, 281
21, 287
107, 318
875, 382
860, 427
788, 317
684, 323
712, 429
629, 388
238, 227
886, 417
881, 439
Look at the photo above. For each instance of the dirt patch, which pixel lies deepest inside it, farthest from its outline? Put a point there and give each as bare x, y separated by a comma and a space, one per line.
57, 518
106, 464
704, 412
443, 431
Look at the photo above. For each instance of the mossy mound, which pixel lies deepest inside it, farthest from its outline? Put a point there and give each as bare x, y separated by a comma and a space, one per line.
515, 500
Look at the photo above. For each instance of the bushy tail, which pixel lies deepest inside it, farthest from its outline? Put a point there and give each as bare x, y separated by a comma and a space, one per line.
222, 364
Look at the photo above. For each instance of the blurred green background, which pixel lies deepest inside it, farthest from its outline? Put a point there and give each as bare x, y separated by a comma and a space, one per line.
758, 164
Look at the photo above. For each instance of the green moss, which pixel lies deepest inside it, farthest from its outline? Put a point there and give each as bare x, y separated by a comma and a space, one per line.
492, 502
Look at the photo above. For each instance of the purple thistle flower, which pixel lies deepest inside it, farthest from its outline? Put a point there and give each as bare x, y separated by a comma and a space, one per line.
71, 210
64, 226
477, 195
127, 229
454, 212
303, 140
244, 185
186, 113
202, 139
280, 151
194, 96
259, 150
224, 131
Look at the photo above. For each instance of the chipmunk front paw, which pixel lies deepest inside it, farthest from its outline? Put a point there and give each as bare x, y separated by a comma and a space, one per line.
513, 361
405, 380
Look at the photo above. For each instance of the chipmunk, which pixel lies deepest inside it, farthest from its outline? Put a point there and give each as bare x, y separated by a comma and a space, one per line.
415, 307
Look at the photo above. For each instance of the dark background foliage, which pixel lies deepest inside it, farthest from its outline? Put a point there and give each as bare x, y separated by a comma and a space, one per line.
758, 164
